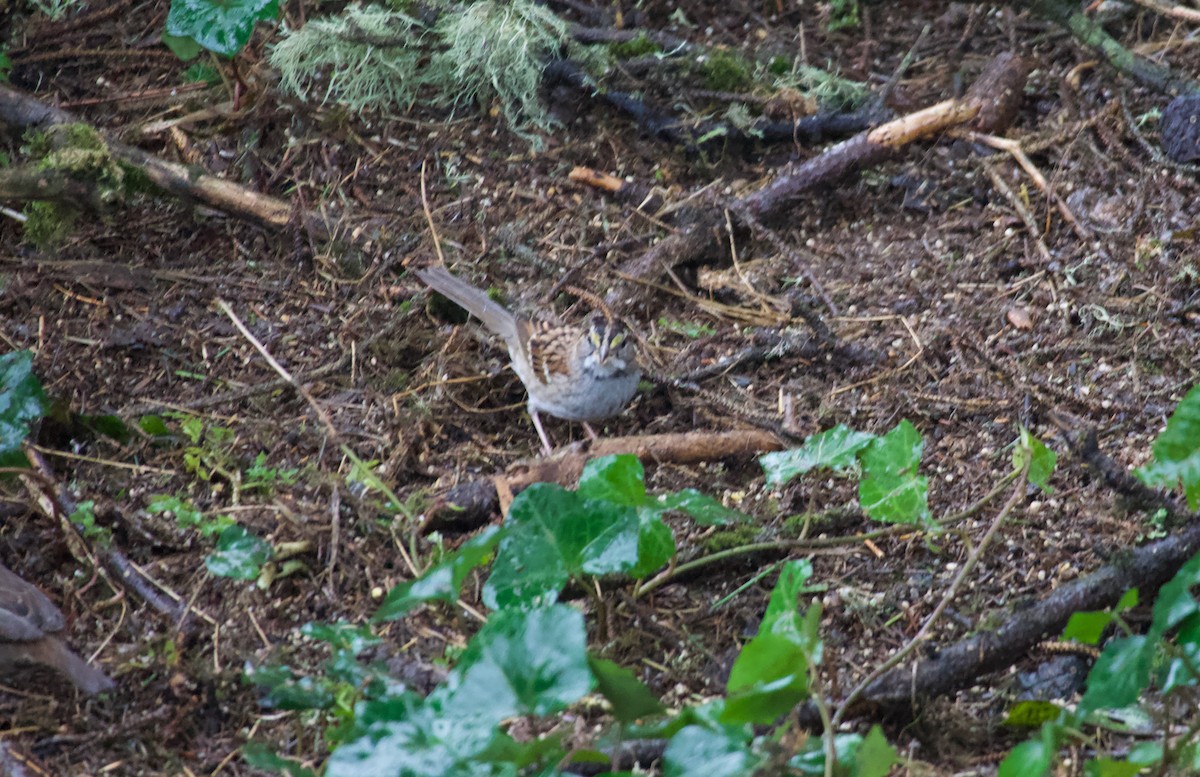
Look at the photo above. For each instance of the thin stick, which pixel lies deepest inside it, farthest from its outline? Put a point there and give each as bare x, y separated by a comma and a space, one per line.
320, 411
437, 241
927, 627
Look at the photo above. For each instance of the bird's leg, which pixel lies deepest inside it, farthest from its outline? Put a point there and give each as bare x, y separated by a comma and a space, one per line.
590, 431
537, 424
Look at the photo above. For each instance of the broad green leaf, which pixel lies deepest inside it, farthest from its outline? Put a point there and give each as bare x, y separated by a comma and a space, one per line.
1035, 757
1175, 601
442, 581
656, 544
890, 489
769, 677
1178, 670
875, 757
1040, 458
221, 26
618, 479
713, 753
22, 401
1087, 627
834, 448
704, 509
811, 758
525, 662
782, 616
413, 737
1145, 753
1177, 452
630, 699
1028, 759
552, 535
239, 554
1120, 674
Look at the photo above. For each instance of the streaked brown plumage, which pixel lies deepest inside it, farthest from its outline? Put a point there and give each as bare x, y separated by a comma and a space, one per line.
573, 373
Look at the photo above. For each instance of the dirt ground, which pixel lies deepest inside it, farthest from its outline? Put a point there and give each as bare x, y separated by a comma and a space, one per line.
972, 323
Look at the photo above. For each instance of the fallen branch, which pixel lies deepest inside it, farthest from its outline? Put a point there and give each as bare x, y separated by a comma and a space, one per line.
989, 106
18, 109
470, 505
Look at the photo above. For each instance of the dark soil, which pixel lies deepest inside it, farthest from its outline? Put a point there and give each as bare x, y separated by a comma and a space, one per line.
969, 323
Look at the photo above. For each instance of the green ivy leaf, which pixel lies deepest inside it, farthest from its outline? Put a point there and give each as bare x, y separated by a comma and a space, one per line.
811, 759
619, 479
1179, 669
1041, 460
22, 401
441, 582
1087, 627
721, 752
630, 699
525, 662
552, 535
835, 449
704, 509
1120, 674
1175, 601
1177, 452
890, 489
770, 675
221, 26
239, 554
656, 544
1029, 759
875, 757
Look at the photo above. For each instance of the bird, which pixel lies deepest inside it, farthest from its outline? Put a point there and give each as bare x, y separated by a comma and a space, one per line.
29, 625
570, 372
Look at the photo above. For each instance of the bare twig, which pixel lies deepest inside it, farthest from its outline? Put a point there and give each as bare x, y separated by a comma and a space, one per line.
320, 411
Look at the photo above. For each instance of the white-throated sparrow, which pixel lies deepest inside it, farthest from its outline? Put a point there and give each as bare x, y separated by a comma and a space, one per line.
570, 372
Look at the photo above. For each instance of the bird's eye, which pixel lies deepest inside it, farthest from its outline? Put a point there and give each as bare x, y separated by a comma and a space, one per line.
616, 340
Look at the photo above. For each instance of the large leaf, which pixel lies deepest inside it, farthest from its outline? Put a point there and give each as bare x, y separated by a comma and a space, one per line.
221, 26
22, 401
524, 662
770, 675
1041, 460
1177, 452
697, 750
835, 449
239, 554
890, 489
1120, 674
552, 535
630, 699
442, 581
